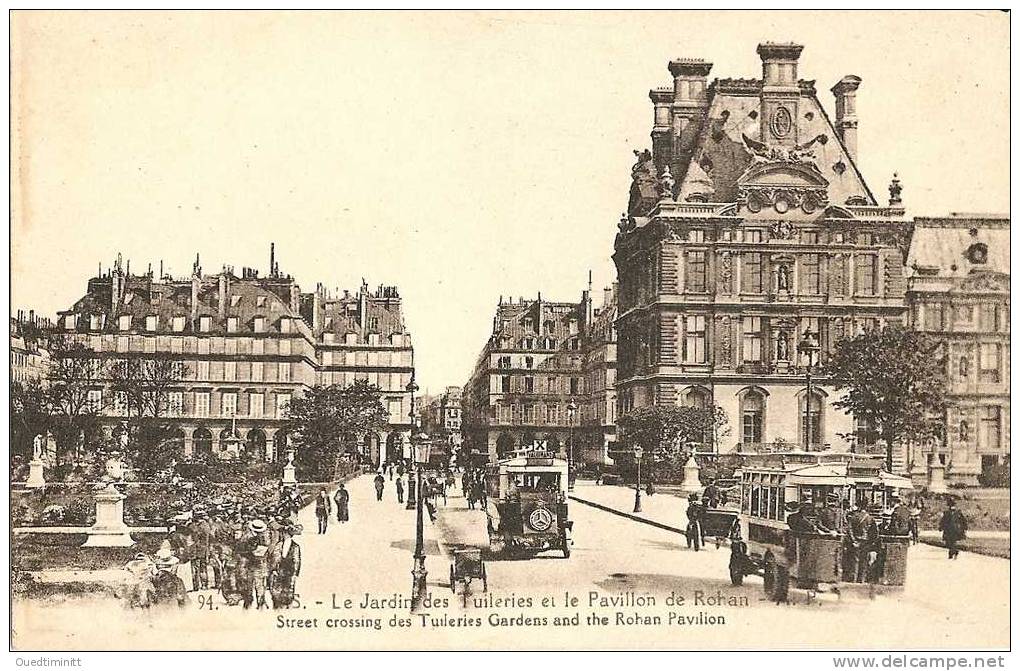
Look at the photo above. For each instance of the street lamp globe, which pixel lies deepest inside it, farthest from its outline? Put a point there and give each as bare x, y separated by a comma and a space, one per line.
809, 346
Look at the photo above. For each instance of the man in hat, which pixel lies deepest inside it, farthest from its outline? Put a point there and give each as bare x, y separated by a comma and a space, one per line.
712, 494
257, 553
201, 531
796, 519
342, 499
695, 532
862, 542
400, 489
829, 517
168, 588
286, 566
323, 508
380, 483
899, 518
953, 526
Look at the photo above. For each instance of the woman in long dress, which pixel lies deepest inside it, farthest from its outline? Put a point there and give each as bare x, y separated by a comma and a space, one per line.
342, 499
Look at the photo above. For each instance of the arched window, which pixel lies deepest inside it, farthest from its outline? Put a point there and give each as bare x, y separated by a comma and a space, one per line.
202, 442
813, 410
752, 419
255, 445
280, 445
697, 397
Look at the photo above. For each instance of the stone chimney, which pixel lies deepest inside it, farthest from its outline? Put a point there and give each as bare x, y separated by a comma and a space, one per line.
780, 92
846, 112
690, 81
224, 286
662, 140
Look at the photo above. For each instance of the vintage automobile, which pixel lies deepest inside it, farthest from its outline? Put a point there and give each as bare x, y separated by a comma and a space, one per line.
763, 544
527, 504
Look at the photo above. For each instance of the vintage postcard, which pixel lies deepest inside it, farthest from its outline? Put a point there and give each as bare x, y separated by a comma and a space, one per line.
510, 331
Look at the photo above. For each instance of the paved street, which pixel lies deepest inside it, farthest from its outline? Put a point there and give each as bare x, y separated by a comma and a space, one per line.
960, 602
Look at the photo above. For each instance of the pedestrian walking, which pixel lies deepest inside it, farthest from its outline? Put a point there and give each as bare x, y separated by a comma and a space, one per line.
400, 490
380, 483
286, 566
257, 551
342, 498
953, 526
323, 508
694, 530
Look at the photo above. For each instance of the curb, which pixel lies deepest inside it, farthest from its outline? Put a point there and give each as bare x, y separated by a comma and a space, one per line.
630, 516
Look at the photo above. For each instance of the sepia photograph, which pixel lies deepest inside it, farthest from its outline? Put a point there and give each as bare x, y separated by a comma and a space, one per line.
510, 331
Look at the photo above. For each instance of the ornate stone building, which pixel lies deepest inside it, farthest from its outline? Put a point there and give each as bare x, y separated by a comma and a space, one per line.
958, 291
527, 375
598, 405
29, 356
749, 225
248, 346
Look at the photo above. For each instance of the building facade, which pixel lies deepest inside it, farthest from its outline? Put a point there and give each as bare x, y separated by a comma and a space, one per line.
598, 404
749, 226
247, 346
441, 419
958, 291
528, 381
29, 354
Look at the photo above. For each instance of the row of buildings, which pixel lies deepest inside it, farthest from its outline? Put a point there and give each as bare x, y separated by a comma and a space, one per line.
249, 344
748, 226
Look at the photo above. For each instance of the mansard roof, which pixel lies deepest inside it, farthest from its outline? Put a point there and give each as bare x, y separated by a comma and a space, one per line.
949, 246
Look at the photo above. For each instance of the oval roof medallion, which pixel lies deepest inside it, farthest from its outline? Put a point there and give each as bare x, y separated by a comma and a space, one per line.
782, 122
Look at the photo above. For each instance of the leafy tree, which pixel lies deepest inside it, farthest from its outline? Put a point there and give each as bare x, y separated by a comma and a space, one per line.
325, 419
665, 431
895, 380
30, 415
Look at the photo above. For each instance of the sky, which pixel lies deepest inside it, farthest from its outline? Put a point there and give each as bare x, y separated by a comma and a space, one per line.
459, 156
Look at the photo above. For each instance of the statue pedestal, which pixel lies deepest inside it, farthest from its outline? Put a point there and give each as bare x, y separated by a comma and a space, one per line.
35, 474
289, 476
109, 531
692, 477
936, 478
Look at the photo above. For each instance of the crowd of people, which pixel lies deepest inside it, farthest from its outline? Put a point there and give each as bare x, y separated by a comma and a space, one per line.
247, 553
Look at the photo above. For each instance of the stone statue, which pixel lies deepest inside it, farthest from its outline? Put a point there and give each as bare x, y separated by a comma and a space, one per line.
666, 184
783, 347
783, 280
37, 447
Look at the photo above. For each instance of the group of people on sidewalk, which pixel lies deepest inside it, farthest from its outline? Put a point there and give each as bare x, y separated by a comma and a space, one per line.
324, 504
249, 554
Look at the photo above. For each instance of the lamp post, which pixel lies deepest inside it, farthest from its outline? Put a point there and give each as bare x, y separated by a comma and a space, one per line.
412, 503
571, 411
638, 453
809, 347
418, 573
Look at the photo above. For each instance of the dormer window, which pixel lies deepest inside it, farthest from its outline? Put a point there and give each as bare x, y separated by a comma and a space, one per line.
95, 322
260, 301
235, 300
69, 322
232, 324
285, 325
260, 324
977, 253
124, 322
205, 324
178, 324
151, 322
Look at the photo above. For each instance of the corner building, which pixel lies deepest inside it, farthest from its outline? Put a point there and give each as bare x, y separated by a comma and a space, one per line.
749, 225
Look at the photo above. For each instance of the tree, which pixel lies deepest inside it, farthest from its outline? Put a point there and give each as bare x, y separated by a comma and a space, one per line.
74, 371
325, 418
145, 385
30, 415
664, 431
892, 379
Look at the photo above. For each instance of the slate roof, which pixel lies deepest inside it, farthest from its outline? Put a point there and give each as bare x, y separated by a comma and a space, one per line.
942, 243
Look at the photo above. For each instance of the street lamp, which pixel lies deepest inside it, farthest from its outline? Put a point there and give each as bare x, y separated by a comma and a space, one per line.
412, 501
809, 348
571, 411
418, 573
638, 453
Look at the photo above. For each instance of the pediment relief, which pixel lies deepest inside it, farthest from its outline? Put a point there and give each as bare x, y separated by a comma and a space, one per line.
985, 281
782, 173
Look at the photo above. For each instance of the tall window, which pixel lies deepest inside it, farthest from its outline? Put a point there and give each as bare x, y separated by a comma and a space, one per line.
837, 271
284, 371
986, 317
575, 385
529, 362
811, 407
694, 339
752, 273
95, 400
810, 274
282, 405
529, 384
753, 338
120, 403
865, 432
175, 403
990, 362
504, 362
752, 413
504, 384
933, 316
991, 427
229, 404
867, 274
201, 404
229, 370
256, 404
695, 272
256, 371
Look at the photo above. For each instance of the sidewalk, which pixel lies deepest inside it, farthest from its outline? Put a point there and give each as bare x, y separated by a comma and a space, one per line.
666, 510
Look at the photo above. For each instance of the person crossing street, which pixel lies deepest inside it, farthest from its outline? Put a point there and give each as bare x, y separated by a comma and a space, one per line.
380, 484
